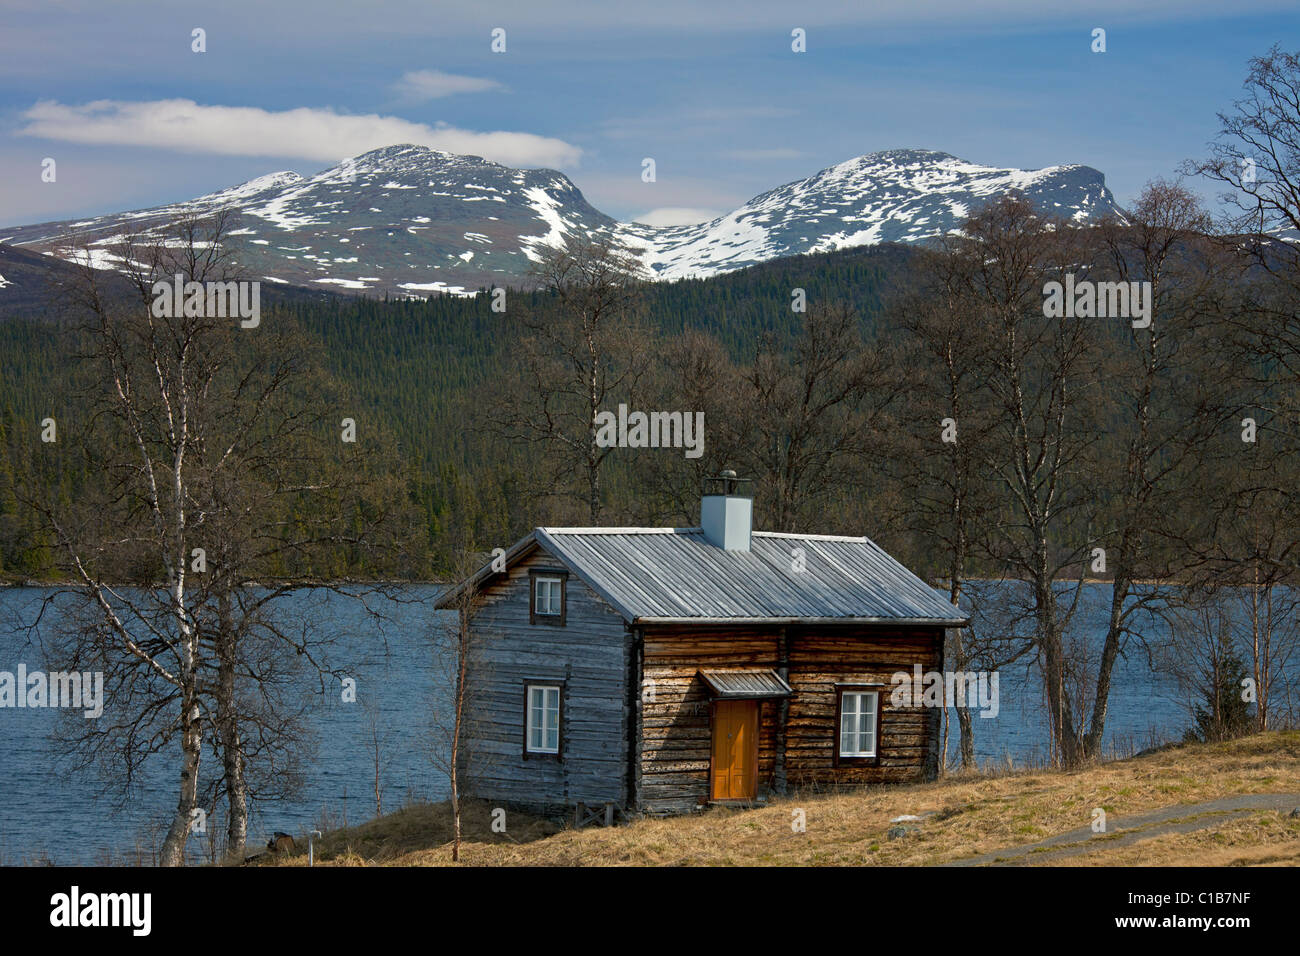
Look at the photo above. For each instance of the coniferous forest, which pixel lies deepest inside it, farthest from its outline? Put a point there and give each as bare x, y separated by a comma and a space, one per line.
419, 374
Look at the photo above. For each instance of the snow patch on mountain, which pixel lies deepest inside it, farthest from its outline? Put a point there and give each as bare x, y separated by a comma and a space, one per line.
417, 217
550, 211
904, 195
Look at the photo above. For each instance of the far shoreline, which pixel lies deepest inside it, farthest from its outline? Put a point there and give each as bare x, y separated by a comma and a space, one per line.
55, 583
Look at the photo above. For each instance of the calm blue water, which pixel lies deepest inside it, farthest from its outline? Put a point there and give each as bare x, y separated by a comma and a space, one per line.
1146, 706
46, 813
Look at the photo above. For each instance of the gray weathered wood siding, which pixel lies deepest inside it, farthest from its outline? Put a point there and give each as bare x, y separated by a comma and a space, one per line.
676, 728
589, 654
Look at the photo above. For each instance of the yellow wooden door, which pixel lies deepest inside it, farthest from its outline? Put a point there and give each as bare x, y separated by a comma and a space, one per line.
735, 749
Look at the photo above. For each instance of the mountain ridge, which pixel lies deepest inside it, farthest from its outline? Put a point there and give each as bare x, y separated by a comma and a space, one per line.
409, 220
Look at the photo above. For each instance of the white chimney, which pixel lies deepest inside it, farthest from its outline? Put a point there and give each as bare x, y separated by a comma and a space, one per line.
725, 516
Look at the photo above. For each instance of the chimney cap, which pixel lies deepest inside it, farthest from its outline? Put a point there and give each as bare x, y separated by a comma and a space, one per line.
723, 484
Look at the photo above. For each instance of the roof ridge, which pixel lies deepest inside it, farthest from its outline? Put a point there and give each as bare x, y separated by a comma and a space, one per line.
813, 537
697, 530
620, 530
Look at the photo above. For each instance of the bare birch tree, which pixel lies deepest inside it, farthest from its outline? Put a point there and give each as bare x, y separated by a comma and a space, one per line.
943, 444
1167, 384
1041, 374
694, 374
459, 662
1255, 522
813, 406
583, 352
207, 436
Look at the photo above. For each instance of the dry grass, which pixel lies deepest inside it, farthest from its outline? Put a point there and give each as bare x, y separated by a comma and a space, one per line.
970, 816
416, 827
1260, 838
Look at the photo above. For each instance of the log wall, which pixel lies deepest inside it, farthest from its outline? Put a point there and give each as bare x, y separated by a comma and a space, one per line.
675, 712
820, 659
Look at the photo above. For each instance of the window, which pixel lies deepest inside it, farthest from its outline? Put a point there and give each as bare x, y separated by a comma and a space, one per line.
542, 733
858, 712
546, 604
550, 595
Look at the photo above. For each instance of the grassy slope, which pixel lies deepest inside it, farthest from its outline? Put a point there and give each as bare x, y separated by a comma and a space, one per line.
972, 815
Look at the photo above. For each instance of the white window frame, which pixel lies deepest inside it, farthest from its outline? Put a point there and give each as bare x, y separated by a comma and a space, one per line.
857, 732
546, 727
554, 599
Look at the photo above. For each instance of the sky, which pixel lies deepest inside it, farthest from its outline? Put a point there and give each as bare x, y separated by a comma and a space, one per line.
713, 92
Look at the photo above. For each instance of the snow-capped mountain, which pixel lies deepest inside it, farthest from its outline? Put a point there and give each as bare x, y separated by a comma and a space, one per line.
402, 220
899, 195
408, 220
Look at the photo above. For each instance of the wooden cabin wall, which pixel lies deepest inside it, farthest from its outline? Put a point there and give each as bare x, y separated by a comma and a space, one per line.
675, 727
589, 653
822, 658
674, 762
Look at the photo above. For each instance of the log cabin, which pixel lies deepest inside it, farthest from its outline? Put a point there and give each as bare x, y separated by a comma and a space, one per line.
660, 670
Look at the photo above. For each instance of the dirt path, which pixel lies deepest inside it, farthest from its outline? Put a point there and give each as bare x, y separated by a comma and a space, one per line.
1182, 818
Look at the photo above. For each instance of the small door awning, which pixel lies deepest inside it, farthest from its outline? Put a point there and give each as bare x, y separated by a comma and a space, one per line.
748, 684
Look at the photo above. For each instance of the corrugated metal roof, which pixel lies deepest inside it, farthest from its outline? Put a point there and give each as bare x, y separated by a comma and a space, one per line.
746, 684
674, 574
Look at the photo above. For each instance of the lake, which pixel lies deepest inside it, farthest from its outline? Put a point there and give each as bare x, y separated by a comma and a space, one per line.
45, 813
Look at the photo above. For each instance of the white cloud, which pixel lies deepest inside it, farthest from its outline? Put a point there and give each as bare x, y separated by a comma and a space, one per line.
677, 216
307, 133
624, 196
432, 84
